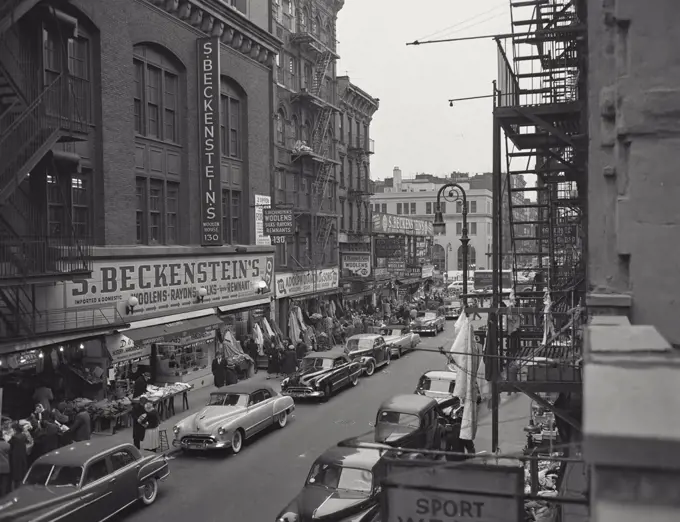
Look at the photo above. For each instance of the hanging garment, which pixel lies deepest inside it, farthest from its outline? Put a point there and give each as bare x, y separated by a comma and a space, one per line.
298, 315
293, 327
258, 338
331, 309
267, 328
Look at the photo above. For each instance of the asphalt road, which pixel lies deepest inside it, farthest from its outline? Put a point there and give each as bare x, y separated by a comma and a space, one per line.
256, 484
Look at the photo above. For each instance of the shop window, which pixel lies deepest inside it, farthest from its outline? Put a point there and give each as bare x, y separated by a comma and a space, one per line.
190, 354
231, 217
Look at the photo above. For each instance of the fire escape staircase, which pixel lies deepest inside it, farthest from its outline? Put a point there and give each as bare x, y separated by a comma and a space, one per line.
540, 112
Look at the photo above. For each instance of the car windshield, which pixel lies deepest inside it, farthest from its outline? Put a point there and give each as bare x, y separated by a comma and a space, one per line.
394, 422
437, 385
316, 363
337, 477
228, 399
42, 474
354, 345
427, 316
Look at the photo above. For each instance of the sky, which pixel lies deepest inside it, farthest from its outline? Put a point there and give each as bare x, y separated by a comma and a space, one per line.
415, 129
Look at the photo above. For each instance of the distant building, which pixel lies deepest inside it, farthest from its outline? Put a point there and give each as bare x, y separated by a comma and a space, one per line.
417, 198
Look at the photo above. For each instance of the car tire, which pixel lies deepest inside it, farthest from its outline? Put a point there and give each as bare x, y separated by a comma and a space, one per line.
237, 442
354, 380
150, 491
282, 419
388, 358
370, 369
399, 353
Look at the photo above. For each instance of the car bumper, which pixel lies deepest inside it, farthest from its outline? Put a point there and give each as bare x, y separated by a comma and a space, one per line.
195, 445
429, 329
452, 316
303, 394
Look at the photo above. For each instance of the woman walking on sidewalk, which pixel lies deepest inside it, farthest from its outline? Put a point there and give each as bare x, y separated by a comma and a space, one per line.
150, 420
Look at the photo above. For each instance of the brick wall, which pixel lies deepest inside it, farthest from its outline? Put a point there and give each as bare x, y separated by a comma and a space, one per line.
123, 24
633, 193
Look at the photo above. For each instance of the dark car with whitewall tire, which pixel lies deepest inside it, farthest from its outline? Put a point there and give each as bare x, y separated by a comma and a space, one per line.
370, 350
343, 485
321, 375
428, 322
87, 481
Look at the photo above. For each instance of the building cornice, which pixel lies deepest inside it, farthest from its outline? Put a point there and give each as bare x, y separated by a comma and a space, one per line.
215, 18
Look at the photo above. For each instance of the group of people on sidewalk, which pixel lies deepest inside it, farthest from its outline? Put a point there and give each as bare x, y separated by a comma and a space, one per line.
47, 429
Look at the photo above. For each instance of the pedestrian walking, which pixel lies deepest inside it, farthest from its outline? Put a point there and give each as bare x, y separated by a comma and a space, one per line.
289, 363
138, 429
273, 365
219, 371
81, 429
151, 421
18, 455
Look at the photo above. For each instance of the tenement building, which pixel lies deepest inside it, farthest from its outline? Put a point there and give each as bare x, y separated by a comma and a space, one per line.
135, 138
305, 177
355, 187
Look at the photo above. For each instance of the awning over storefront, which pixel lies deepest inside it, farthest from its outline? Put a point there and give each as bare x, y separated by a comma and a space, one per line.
57, 339
411, 281
162, 332
313, 295
358, 295
249, 304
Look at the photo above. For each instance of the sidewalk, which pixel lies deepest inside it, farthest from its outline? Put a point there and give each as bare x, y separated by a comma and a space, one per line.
197, 400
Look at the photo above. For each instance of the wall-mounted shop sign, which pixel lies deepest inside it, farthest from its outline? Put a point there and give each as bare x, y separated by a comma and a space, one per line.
279, 222
428, 271
393, 247
381, 273
122, 348
413, 272
294, 283
358, 248
396, 268
170, 284
391, 224
262, 204
209, 140
357, 264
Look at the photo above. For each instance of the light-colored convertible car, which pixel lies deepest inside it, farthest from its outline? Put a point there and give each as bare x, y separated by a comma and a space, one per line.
233, 414
400, 340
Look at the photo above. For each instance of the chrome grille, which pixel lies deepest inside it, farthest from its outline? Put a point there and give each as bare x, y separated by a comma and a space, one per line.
298, 389
198, 439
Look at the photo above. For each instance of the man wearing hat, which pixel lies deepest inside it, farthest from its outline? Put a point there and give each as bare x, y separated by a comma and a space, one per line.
230, 376
289, 363
138, 430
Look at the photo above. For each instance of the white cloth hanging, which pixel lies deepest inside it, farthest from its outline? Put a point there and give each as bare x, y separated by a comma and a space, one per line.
302, 325
268, 328
258, 338
466, 388
548, 325
293, 327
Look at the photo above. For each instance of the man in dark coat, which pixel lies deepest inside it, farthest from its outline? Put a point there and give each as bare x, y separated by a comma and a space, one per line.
251, 350
138, 431
81, 429
140, 384
230, 376
301, 351
219, 370
18, 456
289, 363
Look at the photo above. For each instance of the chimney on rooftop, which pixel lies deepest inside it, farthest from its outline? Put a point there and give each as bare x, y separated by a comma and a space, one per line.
396, 179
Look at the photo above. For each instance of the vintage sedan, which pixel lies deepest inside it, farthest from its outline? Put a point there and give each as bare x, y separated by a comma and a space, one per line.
233, 414
90, 481
429, 322
439, 385
400, 340
370, 350
452, 309
322, 374
342, 486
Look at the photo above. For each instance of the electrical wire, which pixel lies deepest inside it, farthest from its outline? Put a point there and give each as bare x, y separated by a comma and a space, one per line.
447, 30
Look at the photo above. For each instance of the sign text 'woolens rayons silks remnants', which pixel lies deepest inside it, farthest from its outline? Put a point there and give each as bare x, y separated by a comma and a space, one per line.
171, 282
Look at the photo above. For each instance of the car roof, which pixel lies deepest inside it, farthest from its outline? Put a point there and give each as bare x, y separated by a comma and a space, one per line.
361, 458
78, 453
366, 336
330, 354
442, 375
246, 387
408, 403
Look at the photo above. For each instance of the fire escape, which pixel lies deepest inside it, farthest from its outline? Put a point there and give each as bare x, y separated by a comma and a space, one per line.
317, 97
541, 111
37, 112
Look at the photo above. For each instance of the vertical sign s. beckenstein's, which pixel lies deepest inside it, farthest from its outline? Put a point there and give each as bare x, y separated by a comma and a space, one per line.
210, 140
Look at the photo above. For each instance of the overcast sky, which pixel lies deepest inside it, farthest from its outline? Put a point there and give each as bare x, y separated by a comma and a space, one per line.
415, 128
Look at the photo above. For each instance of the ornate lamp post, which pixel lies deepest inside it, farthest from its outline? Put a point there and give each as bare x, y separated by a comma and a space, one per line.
439, 226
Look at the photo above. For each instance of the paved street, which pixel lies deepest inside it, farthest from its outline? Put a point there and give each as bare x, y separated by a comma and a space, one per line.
257, 483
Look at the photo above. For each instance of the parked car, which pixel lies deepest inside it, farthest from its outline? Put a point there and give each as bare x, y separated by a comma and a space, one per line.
343, 485
439, 385
429, 322
322, 374
233, 414
410, 421
90, 481
370, 350
452, 309
400, 340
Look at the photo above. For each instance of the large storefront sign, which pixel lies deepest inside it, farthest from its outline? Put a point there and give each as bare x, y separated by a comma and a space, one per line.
390, 247
391, 224
355, 248
396, 267
413, 272
279, 222
170, 284
357, 264
262, 203
294, 283
428, 271
381, 273
209, 140
122, 348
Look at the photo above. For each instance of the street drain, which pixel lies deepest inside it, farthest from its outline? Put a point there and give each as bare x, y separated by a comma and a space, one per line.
344, 422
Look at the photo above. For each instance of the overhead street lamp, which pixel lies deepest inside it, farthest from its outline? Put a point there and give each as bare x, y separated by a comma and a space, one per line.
439, 226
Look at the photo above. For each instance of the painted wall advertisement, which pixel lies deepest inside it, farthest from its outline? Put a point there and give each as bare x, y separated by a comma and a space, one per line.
357, 264
392, 224
293, 283
209, 140
261, 203
170, 284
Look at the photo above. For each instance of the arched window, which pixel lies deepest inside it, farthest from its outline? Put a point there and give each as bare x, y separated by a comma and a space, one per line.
280, 127
294, 128
472, 257
305, 133
316, 25
303, 19
439, 256
327, 34
233, 130
157, 102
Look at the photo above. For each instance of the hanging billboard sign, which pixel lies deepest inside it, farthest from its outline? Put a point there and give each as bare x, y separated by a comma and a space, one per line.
486, 492
262, 203
357, 264
391, 224
390, 247
209, 140
289, 284
278, 222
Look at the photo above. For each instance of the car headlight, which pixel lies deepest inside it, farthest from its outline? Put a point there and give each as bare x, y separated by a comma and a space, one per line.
221, 431
175, 430
284, 383
288, 517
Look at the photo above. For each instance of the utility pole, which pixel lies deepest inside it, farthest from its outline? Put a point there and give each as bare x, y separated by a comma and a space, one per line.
493, 321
